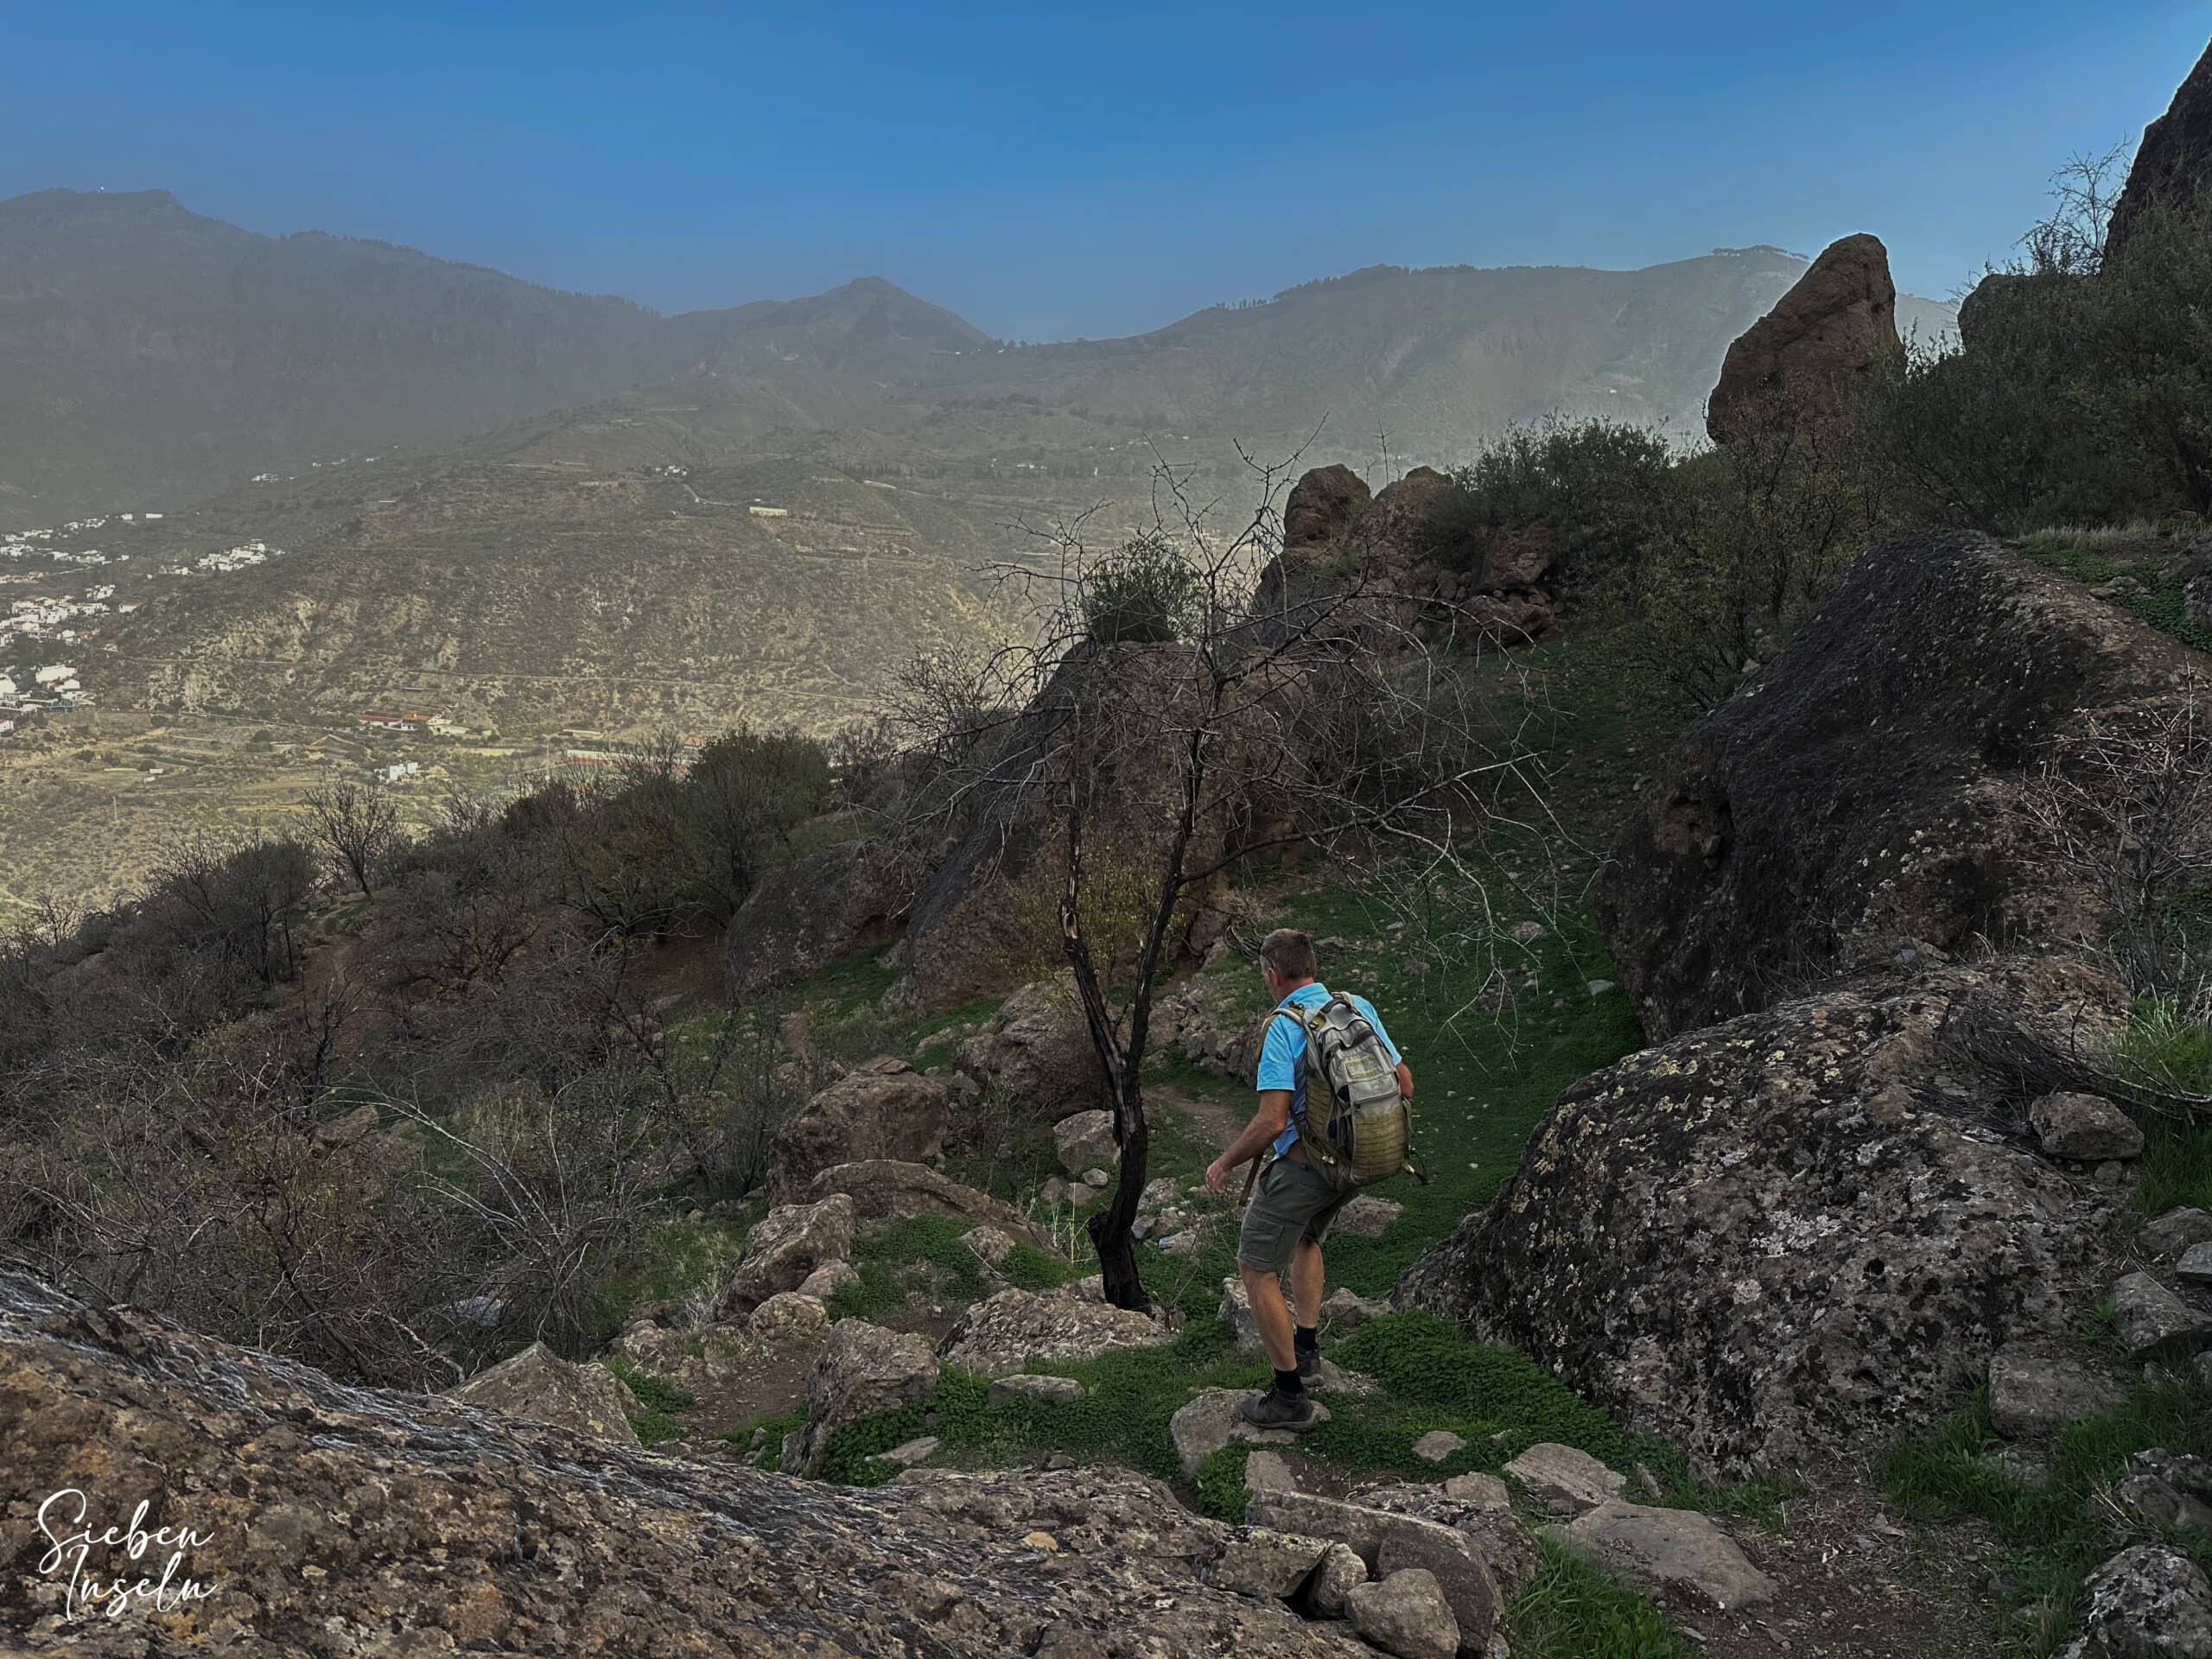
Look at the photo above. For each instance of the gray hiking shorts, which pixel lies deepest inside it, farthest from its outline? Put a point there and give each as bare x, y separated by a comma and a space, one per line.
1291, 1201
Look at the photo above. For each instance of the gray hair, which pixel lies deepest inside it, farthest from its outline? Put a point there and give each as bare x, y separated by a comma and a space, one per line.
1290, 953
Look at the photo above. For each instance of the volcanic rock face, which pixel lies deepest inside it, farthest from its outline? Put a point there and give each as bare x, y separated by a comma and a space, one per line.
1793, 1236
347, 1521
1838, 323
804, 916
1866, 794
2174, 162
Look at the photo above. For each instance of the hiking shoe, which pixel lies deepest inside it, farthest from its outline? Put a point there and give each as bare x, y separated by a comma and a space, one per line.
1273, 1409
1309, 1369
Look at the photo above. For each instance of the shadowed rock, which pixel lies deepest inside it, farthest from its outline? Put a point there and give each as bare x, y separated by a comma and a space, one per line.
883, 1109
2173, 164
1798, 362
1868, 792
348, 1522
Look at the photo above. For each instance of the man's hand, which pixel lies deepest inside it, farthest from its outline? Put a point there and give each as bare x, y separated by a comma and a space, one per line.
1218, 1178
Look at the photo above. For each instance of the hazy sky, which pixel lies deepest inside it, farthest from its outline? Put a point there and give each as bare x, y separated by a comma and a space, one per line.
1051, 171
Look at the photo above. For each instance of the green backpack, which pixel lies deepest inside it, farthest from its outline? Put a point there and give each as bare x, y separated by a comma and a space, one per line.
1363, 1128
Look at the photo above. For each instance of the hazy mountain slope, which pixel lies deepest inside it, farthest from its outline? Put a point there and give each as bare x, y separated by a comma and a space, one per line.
799, 496
151, 354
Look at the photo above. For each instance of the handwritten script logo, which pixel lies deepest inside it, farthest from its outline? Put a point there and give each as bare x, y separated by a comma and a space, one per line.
65, 1519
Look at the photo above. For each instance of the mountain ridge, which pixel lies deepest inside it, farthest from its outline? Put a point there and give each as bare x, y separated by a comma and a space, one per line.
163, 371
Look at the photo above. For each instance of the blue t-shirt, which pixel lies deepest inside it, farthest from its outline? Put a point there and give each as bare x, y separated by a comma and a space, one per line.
1282, 1055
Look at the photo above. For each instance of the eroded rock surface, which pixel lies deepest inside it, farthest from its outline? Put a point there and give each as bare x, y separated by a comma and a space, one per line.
464, 1529
537, 1383
804, 916
998, 1335
2173, 164
1781, 1238
884, 1109
1866, 795
1836, 325
1036, 1053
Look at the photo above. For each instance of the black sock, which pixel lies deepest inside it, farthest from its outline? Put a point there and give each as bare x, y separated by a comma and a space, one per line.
1309, 1339
1289, 1382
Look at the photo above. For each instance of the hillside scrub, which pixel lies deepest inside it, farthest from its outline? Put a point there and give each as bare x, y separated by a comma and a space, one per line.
398, 1123
2082, 389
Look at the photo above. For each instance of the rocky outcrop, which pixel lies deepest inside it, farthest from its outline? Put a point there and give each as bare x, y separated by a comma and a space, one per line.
862, 1369
1321, 506
1798, 363
1037, 1054
883, 1189
1791, 1236
1398, 551
349, 1523
804, 916
1867, 793
2173, 164
790, 1244
998, 1335
538, 1384
883, 1109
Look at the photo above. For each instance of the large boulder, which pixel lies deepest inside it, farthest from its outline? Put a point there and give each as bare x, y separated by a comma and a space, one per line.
1794, 1236
804, 916
350, 1522
998, 1335
785, 1248
2147, 1602
538, 1384
1036, 1053
2173, 164
883, 1109
862, 1369
1870, 792
1836, 325
885, 1189
1321, 506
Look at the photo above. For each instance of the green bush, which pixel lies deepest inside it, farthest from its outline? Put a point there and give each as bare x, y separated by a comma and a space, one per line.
2082, 392
1596, 486
1745, 543
1145, 593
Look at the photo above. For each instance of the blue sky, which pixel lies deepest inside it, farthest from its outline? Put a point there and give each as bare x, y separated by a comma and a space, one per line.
1050, 172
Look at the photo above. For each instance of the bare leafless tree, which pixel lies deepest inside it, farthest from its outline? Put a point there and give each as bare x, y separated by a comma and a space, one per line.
354, 826
1193, 697
2128, 810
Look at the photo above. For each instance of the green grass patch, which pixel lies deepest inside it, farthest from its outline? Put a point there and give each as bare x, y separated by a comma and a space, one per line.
924, 1255
773, 1429
2159, 603
1571, 1610
665, 1403
2166, 1051
679, 1256
2059, 1532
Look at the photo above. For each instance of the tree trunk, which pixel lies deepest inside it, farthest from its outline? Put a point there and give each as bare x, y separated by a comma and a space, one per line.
1111, 1233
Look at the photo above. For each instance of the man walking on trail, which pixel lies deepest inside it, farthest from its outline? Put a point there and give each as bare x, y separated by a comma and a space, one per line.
1297, 1196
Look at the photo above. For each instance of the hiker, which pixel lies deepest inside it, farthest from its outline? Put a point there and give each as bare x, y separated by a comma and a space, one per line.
1304, 1182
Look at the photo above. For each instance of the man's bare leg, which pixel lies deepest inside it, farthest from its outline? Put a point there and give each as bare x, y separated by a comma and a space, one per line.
1271, 1314
1307, 1281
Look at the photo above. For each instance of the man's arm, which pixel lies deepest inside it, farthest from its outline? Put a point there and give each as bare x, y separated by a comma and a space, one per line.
1270, 1120
1405, 1081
